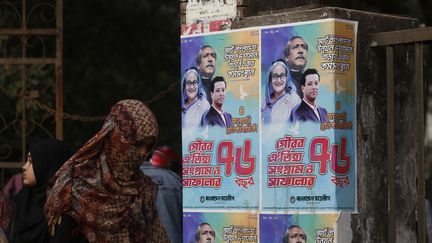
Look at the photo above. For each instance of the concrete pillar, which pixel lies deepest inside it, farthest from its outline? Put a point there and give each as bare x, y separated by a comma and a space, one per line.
371, 222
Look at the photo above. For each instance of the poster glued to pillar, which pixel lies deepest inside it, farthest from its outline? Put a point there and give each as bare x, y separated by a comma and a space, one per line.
269, 130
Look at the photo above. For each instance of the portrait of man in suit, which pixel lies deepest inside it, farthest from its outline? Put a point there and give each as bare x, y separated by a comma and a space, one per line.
216, 116
308, 109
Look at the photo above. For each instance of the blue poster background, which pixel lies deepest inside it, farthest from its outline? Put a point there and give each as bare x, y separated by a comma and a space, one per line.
330, 191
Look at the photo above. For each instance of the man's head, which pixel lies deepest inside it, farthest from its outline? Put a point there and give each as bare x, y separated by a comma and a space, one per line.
296, 53
165, 157
310, 85
206, 61
217, 91
205, 233
294, 234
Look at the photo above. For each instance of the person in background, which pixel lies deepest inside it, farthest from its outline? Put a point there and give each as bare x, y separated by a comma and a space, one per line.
3, 238
28, 223
165, 157
6, 210
14, 185
101, 193
169, 197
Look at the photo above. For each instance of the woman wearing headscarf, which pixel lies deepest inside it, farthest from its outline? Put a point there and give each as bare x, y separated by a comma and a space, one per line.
194, 102
101, 192
280, 97
43, 160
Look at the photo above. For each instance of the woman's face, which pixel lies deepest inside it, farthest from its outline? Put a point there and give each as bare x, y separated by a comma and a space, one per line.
29, 178
191, 86
278, 79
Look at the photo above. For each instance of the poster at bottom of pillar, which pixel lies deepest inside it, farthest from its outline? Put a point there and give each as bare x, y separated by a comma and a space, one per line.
281, 228
220, 227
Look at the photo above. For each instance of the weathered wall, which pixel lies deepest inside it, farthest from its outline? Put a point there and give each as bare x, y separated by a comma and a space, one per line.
244, 8
254, 7
371, 222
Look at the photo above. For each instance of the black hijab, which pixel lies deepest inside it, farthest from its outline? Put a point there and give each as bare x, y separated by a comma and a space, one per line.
29, 223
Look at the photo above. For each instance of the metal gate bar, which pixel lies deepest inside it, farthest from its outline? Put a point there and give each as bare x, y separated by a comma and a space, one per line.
23, 32
390, 145
59, 70
421, 213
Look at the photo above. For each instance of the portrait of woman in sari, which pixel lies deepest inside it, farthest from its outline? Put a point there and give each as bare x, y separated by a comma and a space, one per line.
194, 100
280, 96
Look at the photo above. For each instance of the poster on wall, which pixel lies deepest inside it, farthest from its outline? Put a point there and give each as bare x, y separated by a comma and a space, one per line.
308, 114
276, 228
220, 119
220, 227
272, 228
205, 27
269, 131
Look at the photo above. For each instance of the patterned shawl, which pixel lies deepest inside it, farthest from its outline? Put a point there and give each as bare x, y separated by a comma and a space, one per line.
102, 187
